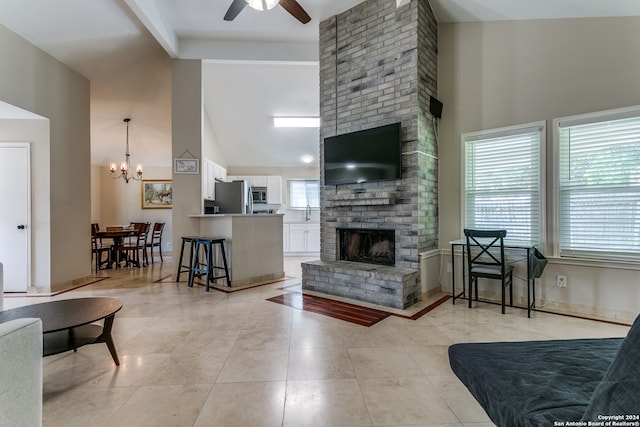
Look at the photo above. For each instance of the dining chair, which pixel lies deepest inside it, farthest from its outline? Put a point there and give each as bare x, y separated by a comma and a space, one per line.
156, 240
138, 225
136, 244
485, 259
98, 248
143, 226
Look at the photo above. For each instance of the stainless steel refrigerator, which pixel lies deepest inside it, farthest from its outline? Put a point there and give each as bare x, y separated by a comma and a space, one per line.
233, 197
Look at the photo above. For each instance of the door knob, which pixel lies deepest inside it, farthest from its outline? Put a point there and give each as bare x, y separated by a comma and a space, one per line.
21, 227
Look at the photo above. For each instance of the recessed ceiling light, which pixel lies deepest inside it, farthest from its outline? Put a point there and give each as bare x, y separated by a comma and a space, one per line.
296, 122
307, 159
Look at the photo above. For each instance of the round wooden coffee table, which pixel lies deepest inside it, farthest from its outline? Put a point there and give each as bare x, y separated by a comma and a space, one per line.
68, 324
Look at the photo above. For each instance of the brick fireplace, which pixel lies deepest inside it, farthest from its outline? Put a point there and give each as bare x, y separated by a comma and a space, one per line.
378, 66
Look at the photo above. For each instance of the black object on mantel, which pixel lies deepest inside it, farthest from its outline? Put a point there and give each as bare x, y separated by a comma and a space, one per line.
435, 107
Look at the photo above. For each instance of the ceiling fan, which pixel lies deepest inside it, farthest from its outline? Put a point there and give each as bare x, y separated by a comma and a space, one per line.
291, 6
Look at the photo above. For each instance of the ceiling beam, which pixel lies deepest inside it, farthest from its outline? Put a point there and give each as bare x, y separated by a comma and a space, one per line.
240, 50
148, 13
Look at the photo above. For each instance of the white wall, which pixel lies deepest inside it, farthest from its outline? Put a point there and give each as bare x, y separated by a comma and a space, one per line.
210, 143
36, 132
96, 195
506, 73
186, 134
34, 81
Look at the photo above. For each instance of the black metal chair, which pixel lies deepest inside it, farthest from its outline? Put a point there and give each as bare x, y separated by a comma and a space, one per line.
485, 259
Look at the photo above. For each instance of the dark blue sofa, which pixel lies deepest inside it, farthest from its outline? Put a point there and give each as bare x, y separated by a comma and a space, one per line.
554, 383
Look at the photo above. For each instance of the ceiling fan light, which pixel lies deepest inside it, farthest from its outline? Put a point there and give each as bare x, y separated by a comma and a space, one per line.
255, 4
262, 4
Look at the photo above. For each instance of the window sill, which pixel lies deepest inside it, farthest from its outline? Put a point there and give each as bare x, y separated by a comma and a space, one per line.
597, 263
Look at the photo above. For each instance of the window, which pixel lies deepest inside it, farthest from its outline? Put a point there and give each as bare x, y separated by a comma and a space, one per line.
503, 183
303, 192
599, 185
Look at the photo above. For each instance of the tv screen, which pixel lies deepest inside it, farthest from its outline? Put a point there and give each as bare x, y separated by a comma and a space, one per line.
367, 155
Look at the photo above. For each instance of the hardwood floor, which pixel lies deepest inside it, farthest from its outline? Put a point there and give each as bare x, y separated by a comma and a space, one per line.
339, 310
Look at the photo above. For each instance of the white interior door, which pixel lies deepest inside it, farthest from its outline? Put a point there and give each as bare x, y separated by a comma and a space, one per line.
15, 218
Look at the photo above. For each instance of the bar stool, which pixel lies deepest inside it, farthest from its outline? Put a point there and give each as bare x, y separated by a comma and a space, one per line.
186, 268
206, 268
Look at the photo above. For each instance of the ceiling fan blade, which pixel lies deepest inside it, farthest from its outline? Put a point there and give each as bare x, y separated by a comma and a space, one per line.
294, 8
235, 8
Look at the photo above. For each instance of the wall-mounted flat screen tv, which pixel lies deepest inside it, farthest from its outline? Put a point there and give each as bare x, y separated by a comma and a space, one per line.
367, 155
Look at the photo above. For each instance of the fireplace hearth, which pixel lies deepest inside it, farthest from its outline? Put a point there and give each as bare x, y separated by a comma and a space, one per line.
368, 246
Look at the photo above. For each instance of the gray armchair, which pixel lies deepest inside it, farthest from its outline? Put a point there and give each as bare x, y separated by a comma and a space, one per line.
21, 373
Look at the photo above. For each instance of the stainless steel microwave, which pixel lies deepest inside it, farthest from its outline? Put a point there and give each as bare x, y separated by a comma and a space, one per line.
259, 195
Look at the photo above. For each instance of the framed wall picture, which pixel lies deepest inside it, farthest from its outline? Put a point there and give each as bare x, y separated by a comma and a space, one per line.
186, 166
157, 194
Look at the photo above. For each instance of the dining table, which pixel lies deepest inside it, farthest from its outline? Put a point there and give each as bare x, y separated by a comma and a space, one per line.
117, 234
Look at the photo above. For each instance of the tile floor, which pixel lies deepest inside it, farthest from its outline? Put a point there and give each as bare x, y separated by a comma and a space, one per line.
189, 358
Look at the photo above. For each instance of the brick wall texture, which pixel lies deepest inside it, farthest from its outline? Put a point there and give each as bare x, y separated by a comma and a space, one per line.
378, 65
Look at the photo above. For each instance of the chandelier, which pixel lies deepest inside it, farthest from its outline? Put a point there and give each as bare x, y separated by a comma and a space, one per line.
125, 166
262, 4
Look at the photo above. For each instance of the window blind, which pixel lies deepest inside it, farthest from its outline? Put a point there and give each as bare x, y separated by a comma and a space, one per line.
304, 192
502, 183
599, 189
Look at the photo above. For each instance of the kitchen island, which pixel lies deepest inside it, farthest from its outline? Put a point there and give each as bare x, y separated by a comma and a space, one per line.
253, 245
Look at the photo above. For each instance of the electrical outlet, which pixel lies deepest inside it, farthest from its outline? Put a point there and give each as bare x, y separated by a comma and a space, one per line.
561, 281
448, 267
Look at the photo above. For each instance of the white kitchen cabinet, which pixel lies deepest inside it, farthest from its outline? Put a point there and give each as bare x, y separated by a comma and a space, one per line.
285, 237
274, 190
304, 238
298, 238
313, 237
254, 181
239, 178
211, 172
220, 173
258, 181
208, 179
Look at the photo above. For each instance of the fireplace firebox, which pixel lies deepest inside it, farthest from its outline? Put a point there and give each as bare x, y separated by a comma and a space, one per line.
368, 246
